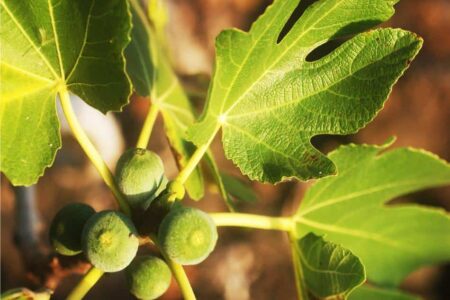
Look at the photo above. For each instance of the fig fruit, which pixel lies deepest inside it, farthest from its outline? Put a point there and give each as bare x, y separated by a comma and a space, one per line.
187, 235
66, 227
148, 277
139, 175
110, 241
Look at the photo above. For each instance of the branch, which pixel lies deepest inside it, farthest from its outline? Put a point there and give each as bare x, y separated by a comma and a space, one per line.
91, 151
253, 221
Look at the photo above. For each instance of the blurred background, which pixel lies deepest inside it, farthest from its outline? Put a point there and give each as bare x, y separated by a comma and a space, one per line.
246, 264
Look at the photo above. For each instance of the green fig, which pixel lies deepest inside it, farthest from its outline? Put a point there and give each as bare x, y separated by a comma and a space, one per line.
187, 235
140, 175
66, 227
110, 241
148, 277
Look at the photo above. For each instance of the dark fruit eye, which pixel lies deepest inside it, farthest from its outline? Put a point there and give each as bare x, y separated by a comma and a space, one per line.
187, 235
148, 277
66, 228
110, 241
139, 175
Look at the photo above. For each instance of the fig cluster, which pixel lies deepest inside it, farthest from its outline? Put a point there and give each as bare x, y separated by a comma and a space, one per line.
109, 239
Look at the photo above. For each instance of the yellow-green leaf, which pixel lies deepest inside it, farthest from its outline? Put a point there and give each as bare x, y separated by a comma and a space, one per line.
152, 76
350, 209
47, 46
269, 101
327, 269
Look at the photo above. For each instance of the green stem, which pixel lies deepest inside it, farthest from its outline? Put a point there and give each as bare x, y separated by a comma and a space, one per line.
181, 278
299, 278
195, 159
88, 281
146, 132
253, 221
90, 150
178, 273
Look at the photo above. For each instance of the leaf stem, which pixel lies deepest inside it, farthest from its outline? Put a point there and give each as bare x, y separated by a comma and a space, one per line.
146, 131
299, 278
253, 221
88, 281
90, 150
195, 159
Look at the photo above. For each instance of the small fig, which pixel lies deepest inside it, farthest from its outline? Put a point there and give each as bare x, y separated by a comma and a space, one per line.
110, 241
139, 175
66, 227
148, 277
187, 235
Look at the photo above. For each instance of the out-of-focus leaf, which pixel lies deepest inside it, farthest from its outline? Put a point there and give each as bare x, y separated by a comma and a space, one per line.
152, 76
371, 293
328, 270
238, 189
26, 294
219, 181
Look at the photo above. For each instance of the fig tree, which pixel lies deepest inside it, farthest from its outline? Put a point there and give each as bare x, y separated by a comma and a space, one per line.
110, 241
148, 277
66, 227
139, 175
187, 235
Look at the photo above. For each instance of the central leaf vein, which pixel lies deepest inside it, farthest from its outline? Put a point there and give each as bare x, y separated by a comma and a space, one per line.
84, 43
58, 50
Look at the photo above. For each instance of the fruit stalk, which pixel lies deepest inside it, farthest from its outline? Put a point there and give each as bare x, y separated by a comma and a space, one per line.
180, 277
90, 149
146, 131
177, 272
195, 160
88, 281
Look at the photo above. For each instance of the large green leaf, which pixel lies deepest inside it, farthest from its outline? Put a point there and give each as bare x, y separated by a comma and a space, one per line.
372, 293
269, 101
47, 46
327, 269
152, 75
350, 210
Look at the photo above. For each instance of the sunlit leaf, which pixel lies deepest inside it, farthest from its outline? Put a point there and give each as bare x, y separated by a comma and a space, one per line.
350, 209
269, 101
48, 46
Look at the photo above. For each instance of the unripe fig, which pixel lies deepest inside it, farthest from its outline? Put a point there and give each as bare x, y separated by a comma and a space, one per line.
139, 174
148, 277
66, 227
187, 235
110, 241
